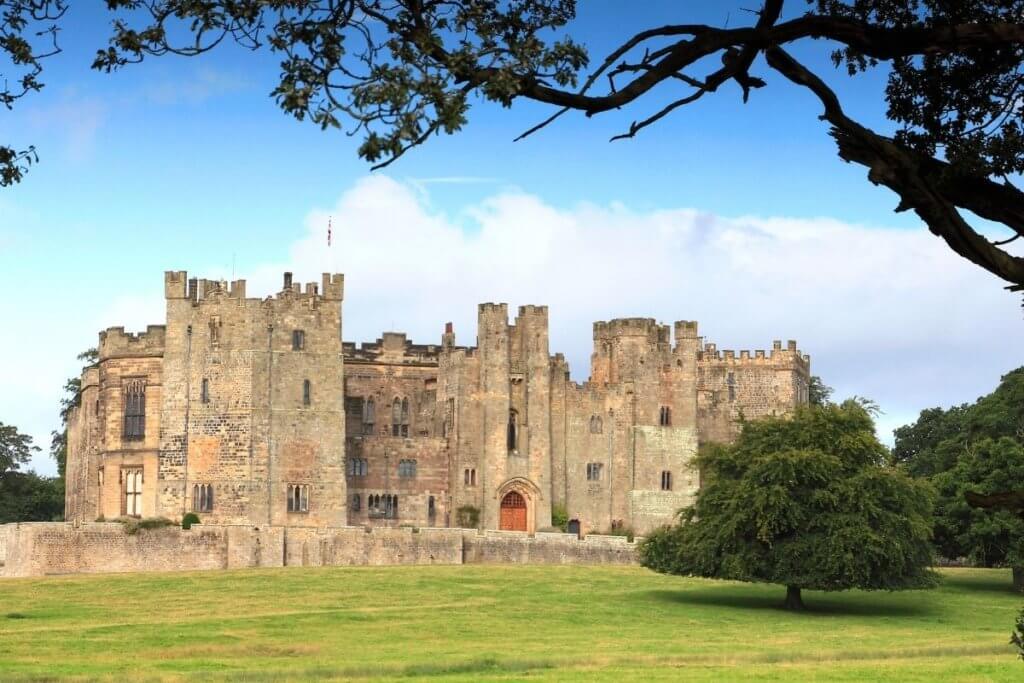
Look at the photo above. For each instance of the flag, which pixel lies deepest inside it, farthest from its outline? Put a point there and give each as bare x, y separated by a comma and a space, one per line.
328, 232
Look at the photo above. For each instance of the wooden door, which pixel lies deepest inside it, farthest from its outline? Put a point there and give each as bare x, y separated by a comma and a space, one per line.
513, 512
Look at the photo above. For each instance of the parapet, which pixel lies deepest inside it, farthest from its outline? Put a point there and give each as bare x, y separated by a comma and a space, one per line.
177, 285
790, 355
631, 327
116, 343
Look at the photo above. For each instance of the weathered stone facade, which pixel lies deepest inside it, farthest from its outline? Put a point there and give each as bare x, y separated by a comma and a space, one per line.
253, 412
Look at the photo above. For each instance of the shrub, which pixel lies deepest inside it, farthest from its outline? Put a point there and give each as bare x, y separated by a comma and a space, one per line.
1017, 637
559, 517
468, 517
189, 519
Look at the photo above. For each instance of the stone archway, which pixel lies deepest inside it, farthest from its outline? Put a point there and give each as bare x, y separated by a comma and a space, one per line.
513, 512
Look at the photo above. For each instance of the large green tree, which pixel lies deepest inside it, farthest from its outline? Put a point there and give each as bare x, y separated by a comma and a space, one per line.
25, 496
805, 501
974, 454
397, 72
987, 537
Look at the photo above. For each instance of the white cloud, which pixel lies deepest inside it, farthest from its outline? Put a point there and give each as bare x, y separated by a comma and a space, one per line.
888, 314
198, 86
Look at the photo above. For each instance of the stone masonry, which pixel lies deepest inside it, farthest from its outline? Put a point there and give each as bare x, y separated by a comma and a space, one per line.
252, 411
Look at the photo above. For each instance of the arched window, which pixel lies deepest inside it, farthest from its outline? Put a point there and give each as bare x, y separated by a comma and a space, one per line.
513, 431
595, 424
369, 415
355, 502
396, 417
298, 498
132, 478
135, 410
202, 498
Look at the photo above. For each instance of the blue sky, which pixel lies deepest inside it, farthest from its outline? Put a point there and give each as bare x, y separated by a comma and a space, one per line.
188, 164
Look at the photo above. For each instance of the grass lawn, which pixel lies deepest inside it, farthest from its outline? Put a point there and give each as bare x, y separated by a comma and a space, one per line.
475, 623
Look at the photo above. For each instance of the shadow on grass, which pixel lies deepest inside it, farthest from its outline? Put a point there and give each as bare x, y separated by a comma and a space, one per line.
989, 582
858, 604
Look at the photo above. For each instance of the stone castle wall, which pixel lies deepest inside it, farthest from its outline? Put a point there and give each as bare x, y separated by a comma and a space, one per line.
48, 548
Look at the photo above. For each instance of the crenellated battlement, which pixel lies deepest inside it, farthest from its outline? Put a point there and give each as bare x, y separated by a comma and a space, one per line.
393, 347
790, 356
177, 285
631, 327
530, 310
115, 342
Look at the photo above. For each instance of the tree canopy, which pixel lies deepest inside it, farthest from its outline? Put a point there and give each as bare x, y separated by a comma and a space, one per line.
806, 501
396, 72
974, 455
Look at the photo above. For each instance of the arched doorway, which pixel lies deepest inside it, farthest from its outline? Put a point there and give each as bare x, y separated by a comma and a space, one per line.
513, 512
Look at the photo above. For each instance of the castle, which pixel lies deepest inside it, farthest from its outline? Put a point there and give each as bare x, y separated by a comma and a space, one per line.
255, 412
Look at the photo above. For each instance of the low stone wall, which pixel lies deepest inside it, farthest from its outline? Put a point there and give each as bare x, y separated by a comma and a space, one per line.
38, 549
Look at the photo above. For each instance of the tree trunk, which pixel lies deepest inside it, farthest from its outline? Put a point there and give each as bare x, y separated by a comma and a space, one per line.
793, 599
1018, 579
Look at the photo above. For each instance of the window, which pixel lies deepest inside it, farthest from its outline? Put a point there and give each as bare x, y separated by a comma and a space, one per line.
396, 417
307, 392
407, 468
595, 424
383, 505
298, 498
665, 417
594, 471
356, 502
135, 410
214, 331
449, 417
357, 467
131, 479
204, 392
469, 476
513, 431
405, 417
730, 381
431, 509
666, 480
202, 498
298, 340
369, 416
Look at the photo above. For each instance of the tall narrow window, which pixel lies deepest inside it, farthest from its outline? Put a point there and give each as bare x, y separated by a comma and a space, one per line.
132, 483
307, 392
665, 417
369, 416
214, 331
595, 424
449, 417
298, 340
357, 467
513, 431
405, 417
666, 480
396, 417
204, 392
298, 498
135, 410
730, 380
431, 510
356, 503
472, 477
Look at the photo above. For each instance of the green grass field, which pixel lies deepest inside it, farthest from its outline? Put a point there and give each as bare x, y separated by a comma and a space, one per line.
475, 623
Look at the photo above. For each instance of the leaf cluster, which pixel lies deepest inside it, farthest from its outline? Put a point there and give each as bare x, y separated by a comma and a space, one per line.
805, 500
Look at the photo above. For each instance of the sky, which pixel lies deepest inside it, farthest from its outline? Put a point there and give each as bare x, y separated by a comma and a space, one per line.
739, 216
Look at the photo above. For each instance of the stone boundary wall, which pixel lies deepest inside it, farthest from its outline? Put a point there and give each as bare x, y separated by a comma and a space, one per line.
46, 548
